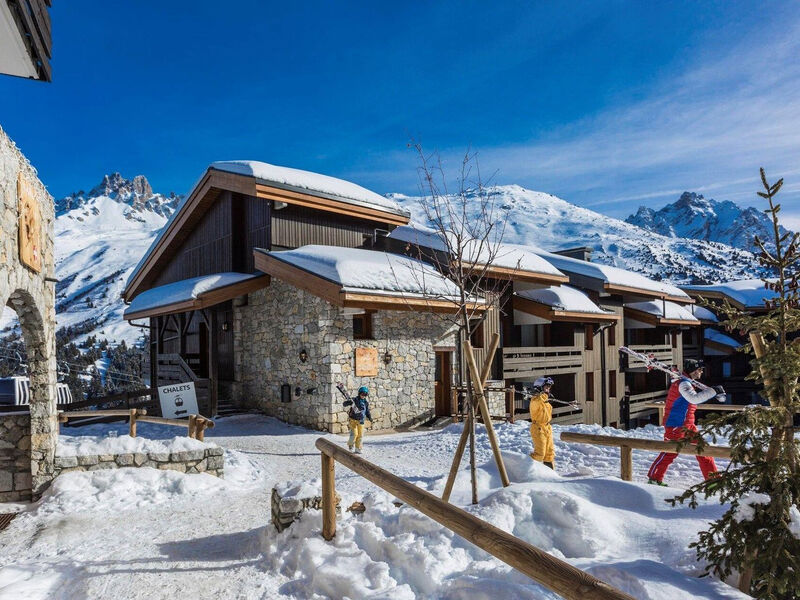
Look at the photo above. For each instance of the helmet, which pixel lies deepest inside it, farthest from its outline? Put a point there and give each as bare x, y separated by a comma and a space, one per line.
363, 390
691, 364
543, 381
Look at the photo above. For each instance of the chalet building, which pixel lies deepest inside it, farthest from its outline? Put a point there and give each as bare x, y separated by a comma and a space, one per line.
572, 332
263, 289
719, 348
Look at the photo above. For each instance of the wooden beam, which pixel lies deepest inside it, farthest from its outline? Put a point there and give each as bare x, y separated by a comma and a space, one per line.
545, 311
328, 497
511, 274
642, 444
342, 207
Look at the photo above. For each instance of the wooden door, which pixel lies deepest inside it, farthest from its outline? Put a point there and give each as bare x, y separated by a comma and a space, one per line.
443, 384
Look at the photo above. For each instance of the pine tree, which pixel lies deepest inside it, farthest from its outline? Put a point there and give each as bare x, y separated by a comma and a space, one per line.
759, 534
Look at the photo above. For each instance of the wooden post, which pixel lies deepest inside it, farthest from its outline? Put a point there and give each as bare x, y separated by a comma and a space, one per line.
451, 477
487, 419
132, 422
200, 428
626, 463
328, 498
192, 425
213, 361
661, 410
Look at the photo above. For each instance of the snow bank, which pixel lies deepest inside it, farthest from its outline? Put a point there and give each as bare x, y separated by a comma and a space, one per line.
88, 445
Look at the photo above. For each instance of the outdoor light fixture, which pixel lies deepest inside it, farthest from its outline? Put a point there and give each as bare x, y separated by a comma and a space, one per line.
303, 355
225, 326
387, 358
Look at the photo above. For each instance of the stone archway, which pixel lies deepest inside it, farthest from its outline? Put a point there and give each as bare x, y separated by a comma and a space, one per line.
27, 286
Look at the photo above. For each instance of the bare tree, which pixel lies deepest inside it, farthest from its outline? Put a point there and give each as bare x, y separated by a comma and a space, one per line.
464, 243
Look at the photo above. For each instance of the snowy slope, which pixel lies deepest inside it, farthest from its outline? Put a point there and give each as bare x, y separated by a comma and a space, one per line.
696, 217
551, 223
99, 238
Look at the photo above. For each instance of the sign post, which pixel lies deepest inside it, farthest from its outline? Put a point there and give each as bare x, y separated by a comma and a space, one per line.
178, 400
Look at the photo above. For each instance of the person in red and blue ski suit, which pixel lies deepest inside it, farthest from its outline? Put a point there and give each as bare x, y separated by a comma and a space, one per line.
682, 401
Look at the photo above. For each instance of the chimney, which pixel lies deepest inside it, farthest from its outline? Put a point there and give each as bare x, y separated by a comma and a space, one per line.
581, 253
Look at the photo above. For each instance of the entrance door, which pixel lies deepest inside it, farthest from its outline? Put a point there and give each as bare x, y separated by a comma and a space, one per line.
443, 384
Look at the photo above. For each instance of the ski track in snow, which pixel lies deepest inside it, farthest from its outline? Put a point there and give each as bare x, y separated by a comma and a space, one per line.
144, 533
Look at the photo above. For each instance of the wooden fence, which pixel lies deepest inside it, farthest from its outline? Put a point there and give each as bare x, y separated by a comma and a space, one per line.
551, 572
196, 424
627, 445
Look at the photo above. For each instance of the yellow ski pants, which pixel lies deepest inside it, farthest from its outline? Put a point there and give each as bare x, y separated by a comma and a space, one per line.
356, 433
542, 437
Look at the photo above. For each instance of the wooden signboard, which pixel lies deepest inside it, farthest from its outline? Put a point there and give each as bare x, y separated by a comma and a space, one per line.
30, 226
366, 362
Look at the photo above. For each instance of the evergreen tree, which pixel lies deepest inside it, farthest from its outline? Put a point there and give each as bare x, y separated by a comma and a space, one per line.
759, 534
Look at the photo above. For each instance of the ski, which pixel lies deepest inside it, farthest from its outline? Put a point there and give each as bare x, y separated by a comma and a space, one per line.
526, 394
651, 363
340, 387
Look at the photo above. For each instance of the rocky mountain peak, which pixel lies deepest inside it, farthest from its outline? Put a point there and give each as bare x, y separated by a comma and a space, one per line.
137, 193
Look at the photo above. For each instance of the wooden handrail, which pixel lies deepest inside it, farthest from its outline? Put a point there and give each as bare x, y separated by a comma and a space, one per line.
627, 445
551, 572
196, 424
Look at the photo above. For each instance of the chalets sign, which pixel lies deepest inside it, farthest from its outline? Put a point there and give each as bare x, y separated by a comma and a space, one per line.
178, 400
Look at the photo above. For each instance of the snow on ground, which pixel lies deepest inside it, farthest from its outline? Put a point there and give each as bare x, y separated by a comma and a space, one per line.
144, 533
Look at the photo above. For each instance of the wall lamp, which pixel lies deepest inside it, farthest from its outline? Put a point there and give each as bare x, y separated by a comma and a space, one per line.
387, 358
303, 355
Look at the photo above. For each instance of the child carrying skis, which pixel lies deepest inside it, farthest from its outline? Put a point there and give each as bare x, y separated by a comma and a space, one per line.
359, 410
541, 429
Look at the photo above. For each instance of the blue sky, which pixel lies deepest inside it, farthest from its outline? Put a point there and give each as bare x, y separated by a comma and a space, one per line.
608, 105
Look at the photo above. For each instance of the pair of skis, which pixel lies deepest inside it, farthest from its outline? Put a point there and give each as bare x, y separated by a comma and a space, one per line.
651, 363
527, 394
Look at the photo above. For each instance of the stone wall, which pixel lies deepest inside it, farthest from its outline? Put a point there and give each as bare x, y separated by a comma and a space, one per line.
15, 457
280, 321
209, 460
32, 296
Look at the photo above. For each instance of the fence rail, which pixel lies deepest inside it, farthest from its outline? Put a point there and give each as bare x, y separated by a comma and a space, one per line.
551, 572
195, 423
528, 361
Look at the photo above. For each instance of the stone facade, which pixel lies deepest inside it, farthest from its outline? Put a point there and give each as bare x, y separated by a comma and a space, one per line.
209, 460
32, 296
15, 457
280, 321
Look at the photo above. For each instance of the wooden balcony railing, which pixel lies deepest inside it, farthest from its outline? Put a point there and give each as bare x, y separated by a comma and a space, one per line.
662, 352
533, 361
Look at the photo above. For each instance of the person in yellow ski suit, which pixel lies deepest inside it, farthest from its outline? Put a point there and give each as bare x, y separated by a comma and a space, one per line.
541, 429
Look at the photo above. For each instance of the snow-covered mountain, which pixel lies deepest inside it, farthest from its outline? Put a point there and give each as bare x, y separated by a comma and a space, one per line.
546, 221
696, 217
100, 236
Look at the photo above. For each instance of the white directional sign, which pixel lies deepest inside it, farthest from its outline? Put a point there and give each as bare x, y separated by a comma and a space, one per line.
178, 400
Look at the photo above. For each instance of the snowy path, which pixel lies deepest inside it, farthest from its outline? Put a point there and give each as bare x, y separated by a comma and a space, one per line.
155, 534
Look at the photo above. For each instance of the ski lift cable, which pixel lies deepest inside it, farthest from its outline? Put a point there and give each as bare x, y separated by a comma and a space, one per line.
112, 372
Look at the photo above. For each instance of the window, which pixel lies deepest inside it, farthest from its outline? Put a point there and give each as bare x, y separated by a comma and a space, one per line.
726, 369
590, 387
612, 335
362, 326
588, 334
612, 383
476, 337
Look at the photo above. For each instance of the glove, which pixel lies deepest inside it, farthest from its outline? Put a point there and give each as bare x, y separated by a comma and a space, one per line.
721, 395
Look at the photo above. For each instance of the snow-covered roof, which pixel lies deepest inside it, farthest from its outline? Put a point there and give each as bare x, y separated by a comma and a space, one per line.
185, 290
611, 275
564, 298
713, 335
358, 270
419, 235
510, 256
311, 182
702, 313
664, 309
749, 293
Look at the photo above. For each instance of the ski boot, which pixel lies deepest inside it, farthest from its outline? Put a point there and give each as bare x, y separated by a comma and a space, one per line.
657, 482
358, 450
549, 464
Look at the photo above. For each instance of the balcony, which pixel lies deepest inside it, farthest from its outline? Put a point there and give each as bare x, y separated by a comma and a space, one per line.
691, 351
535, 361
661, 352
643, 402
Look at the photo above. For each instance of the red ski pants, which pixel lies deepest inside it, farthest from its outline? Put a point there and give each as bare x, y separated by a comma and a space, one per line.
664, 460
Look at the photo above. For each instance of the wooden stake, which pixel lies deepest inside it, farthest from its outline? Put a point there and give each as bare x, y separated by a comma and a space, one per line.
451, 477
328, 497
132, 423
200, 428
626, 463
192, 425
487, 420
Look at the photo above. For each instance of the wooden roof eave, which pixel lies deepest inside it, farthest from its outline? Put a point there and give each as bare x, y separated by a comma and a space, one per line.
204, 300
510, 274
715, 295
544, 311
336, 295
625, 289
718, 347
655, 320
